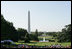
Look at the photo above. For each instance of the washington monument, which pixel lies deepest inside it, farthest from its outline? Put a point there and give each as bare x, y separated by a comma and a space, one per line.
29, 22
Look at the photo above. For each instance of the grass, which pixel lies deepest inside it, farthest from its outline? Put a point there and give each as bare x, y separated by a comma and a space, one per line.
45, 43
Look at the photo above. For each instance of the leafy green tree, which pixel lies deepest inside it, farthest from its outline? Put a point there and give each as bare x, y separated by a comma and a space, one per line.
7, 30
36, 32
34, 36
27, 40
21, 33
40, 33
65, 35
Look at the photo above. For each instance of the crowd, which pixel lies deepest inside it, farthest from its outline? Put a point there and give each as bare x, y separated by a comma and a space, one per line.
46, 46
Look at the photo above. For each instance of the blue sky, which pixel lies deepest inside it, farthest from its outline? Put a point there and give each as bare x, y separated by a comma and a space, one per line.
45, 15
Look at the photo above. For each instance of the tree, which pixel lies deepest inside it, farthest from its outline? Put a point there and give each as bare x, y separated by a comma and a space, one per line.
34, 36
27, 40
40, 33
7, 30
36, 32
21, 33
65, 35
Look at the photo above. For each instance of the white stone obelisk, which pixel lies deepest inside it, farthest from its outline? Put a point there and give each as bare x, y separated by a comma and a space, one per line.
29, 22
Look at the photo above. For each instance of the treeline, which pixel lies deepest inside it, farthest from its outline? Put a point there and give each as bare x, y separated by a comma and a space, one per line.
62, 36
8, 32
65, 34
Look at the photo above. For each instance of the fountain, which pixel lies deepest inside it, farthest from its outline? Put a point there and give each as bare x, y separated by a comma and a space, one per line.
44, 35
43, 39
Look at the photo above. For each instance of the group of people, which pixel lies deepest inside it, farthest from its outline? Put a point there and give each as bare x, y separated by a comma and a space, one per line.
46, 46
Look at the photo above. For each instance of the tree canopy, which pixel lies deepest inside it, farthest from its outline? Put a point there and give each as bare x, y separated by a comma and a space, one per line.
65, 35
8, 31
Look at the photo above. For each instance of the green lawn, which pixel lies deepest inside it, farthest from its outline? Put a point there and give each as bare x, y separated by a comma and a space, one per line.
45, 43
